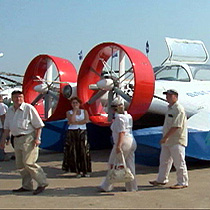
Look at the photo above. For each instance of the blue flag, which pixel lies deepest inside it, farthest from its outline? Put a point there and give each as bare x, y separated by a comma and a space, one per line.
147, 47
114, 55
80, 55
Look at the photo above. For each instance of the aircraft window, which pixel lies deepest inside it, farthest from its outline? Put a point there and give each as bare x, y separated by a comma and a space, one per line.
173, 73
182, 75
166, 74
201, 73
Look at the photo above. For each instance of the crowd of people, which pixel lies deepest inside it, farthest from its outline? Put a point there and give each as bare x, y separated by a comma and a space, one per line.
23, 123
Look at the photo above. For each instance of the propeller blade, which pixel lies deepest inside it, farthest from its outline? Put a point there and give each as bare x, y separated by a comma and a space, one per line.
93, 70
122, 94
110, 99
39, 97
96, 96
56, 77
54, 80
46, 105
42, 88
51, 93
129, 70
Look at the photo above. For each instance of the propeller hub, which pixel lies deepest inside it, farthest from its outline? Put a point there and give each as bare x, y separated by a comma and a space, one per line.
42, 88
105, 84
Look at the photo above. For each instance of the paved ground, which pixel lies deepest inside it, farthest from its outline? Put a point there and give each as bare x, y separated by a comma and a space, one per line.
66, 191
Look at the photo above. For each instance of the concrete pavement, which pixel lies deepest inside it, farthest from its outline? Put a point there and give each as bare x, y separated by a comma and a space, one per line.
67, 191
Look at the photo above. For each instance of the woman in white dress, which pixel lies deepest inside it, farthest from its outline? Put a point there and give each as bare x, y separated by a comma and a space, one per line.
123, 142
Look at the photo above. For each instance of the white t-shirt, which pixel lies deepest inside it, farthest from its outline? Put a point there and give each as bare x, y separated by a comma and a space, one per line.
122, 123
3, 110
78, 118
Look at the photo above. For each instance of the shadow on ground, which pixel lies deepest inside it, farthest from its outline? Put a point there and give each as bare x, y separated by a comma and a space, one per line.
51, 162
85, 191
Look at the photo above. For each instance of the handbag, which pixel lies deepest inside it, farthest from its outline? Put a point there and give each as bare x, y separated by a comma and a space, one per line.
119, 172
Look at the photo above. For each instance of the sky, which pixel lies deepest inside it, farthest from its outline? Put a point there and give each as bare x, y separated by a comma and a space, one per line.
65, 27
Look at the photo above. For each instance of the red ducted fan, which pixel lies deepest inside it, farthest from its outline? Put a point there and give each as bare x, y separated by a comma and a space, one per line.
43, 83
113, 71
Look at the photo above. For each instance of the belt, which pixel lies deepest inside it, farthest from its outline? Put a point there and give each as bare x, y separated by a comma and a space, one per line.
19, 135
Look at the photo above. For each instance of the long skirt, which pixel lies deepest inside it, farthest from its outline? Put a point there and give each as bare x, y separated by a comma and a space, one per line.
76, 152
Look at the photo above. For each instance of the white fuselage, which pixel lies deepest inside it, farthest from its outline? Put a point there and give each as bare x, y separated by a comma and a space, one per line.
194, 96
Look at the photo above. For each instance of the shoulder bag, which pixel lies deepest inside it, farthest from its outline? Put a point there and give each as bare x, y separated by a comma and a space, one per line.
119, 172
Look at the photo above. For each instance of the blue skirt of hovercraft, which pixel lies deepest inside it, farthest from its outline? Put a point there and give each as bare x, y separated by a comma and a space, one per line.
54, 133
148, 147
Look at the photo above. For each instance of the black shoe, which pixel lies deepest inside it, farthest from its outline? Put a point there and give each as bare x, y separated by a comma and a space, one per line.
85, 175
39, 190
155, 183
12, 157
20, 190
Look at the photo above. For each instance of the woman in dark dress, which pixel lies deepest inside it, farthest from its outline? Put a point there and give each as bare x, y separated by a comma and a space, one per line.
76, 150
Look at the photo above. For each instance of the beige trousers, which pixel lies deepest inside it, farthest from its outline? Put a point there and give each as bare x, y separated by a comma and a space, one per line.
169, 155
128, 148
26, 156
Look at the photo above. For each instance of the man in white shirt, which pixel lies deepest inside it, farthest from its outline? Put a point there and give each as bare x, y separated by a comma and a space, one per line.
173, 143
25, 124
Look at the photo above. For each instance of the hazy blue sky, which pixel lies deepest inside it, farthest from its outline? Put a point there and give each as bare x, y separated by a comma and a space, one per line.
64, 27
